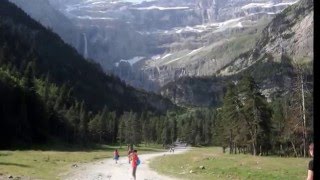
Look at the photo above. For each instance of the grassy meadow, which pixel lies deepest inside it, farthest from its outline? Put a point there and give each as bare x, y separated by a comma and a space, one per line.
225, 166
50, 164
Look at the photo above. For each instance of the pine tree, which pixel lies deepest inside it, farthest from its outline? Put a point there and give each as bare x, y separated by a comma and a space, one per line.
256, 114
121, 131
83, 126
174, 130
230, 116
102, 124
28, 78
165, 135
93, 127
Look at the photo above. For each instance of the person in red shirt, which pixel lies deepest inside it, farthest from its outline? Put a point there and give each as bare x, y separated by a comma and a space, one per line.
134, 163
116, 155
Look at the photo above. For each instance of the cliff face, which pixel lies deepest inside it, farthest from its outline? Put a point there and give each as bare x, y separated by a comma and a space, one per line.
222, 10
150, 44
228, 29
195, 91
285, 42
290, 34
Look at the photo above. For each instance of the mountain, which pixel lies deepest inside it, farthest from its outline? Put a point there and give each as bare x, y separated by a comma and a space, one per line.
151, 43
48, 16
24, 40
290, 33
287, 42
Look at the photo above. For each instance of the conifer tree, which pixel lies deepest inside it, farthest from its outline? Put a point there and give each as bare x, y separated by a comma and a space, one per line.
28, 78
256, 114
83, 126
230, 116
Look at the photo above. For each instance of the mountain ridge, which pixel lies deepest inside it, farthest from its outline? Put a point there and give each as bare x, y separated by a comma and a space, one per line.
65, 66
273, 67
110, 31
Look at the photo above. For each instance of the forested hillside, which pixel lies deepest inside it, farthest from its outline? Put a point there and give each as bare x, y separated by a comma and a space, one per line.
24, 40
48, 89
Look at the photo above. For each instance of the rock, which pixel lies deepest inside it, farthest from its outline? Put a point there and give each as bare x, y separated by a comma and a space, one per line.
75, 166
191, 171
10, 177
201, 167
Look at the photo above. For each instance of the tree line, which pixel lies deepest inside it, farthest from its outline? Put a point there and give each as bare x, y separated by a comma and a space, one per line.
35, 111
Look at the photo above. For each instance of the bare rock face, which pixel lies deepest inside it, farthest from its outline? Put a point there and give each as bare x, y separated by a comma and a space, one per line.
289, 34
288, 39
189, 37
228, 29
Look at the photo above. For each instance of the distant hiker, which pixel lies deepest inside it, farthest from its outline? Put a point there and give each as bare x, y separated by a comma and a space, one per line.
130, 151
310, 166
134, 163
116, 155
171, 149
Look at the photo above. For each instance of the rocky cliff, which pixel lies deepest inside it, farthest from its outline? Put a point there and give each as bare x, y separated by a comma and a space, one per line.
290, 34
171, 38
284, 43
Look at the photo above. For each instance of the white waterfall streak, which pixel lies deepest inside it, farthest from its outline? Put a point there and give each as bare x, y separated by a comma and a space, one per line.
85, 53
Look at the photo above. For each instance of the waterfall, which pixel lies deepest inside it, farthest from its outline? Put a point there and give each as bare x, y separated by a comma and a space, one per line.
85, 50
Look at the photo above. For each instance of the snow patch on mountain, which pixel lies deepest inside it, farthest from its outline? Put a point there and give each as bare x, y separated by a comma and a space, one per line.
189, 54
95, 18
194, 51
161, 8
266, 5
130, 61
156, 57
165, 56
171, 61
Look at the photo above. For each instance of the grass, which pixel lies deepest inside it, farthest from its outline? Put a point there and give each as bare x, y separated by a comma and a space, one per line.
49, 164
225, 166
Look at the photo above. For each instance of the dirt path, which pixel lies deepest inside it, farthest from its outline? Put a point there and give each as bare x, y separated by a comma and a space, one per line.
107, 169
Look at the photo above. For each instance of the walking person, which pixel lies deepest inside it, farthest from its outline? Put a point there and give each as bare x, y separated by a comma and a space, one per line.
134, 163
310, 166
130, 151
116, 155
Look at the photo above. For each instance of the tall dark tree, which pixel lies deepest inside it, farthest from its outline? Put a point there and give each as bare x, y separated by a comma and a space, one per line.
83, 124
256, 114
230, 116
28, 77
